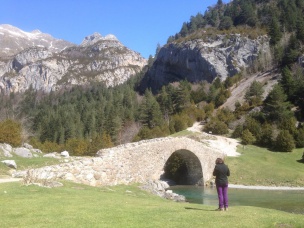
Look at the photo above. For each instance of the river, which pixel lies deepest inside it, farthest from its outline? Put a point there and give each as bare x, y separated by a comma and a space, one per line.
286, 200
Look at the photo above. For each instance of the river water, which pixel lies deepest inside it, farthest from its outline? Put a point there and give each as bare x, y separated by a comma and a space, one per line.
286, 200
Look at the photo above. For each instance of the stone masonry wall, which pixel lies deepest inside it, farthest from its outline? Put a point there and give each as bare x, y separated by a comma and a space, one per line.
128, 163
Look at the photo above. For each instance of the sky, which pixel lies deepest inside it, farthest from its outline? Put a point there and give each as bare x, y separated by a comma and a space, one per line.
140, 25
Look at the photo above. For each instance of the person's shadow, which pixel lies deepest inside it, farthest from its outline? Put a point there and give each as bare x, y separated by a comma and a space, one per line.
300, 160
199, 209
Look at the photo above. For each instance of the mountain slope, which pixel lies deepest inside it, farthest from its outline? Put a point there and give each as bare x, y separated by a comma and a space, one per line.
267, 79
13, 40
59, 65
204, 59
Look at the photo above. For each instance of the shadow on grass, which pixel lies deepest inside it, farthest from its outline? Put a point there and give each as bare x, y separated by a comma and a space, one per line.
300, 160
199, 209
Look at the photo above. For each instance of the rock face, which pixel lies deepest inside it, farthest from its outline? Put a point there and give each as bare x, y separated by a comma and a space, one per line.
199, 60
50, 68
13, 40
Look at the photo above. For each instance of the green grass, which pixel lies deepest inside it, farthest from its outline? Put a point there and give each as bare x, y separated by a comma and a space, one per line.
259, 166
184, 133
25, 163
77, 205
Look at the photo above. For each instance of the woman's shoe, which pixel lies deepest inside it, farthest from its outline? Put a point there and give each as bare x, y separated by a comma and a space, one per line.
226, 208
220, 209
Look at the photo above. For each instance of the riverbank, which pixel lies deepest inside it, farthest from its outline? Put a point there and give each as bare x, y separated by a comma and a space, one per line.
265, 187
5, 180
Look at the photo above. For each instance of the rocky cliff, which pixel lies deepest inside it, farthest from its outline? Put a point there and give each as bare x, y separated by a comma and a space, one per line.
13, 40
51, 67
204, 59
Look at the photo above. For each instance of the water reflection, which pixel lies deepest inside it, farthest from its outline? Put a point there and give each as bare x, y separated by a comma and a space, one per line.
285, 200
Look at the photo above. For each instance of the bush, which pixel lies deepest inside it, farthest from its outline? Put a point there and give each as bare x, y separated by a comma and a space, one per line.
299, 138
266, 137
216, 127
247, 137
179, 123
77, 146
237, 133
156, 132
194, 113
285, 142
253, 126
10, 132
225, 115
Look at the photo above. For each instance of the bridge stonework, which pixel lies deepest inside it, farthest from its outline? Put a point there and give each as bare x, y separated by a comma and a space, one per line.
135, 163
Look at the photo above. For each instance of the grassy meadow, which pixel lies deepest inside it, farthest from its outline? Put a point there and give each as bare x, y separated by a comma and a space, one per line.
259, 166
75, 205
25, 163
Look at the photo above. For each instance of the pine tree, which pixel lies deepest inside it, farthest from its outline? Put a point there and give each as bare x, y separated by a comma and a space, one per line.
182, 99
225, 23
166, 103
150, 113
276, 107
287, 82
184, 31
300, 28
254, 94
274, 31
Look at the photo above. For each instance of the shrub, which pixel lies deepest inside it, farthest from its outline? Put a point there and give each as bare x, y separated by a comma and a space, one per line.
237, 133
247, 137
77, 146
179, 123
285, 142
253, 126
156, 132
299, 138
216, 127
11, 132
266, 136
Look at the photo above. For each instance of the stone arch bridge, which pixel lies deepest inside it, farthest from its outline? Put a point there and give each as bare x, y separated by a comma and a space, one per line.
180, 159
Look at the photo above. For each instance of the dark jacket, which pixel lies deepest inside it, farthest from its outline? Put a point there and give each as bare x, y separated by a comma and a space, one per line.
221, 173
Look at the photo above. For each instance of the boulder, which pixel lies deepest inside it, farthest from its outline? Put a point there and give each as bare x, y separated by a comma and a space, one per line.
10, 163
28, 146
6, 150
23, 152
52, 155
65, 154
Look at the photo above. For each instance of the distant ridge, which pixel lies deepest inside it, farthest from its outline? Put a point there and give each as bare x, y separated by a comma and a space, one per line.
39, 61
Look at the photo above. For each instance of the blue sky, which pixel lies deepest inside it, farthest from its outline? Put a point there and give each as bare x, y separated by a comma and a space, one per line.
138, 24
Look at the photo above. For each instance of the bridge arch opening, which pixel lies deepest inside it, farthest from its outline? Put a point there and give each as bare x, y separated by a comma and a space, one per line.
183, 168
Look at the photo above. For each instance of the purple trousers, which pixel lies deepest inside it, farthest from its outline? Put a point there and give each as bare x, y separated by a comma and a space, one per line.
222, 193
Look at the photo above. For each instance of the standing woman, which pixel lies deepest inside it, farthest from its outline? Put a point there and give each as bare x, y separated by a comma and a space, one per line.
221, 173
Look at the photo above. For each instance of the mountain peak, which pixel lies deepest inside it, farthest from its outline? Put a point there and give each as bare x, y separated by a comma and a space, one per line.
36, 31
95, 37
110, 37
91, 39
13, 40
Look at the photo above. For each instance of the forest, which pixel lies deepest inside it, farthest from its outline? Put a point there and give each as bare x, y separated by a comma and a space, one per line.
84, 119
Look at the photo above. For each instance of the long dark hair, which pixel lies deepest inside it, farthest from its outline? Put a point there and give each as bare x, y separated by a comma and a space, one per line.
219, 161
